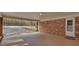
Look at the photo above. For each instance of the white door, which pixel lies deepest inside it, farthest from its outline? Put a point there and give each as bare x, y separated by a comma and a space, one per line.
70, 27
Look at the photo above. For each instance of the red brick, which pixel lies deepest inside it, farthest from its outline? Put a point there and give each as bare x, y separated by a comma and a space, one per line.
56, 27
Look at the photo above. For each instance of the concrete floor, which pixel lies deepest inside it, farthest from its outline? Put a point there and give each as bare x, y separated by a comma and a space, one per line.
39, 39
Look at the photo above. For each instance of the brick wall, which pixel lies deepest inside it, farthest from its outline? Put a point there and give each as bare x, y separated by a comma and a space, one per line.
56, 27
77, 26
0, 26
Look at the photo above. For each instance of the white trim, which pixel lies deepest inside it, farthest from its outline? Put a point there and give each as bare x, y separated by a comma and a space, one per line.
70, 33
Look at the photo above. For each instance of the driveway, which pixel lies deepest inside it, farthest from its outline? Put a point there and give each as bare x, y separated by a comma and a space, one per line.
15, 30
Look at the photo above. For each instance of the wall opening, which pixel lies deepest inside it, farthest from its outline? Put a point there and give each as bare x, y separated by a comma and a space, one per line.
13, 26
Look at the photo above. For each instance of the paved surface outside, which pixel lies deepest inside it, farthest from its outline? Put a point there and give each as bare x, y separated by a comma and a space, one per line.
15, 30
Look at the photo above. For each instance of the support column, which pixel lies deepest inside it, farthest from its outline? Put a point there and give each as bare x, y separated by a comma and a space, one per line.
1, 29
37, 25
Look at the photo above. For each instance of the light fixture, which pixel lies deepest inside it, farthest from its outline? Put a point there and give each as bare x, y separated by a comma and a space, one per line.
41, 14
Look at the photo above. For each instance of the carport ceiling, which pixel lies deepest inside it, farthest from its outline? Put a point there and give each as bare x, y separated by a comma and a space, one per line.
39, 15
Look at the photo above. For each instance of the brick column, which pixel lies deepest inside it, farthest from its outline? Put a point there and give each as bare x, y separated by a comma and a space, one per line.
77, 26
1, 28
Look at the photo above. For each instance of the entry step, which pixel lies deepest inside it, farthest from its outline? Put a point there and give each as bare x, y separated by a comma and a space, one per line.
71, 38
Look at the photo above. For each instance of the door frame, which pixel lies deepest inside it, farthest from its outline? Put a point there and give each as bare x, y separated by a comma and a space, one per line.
70, 33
